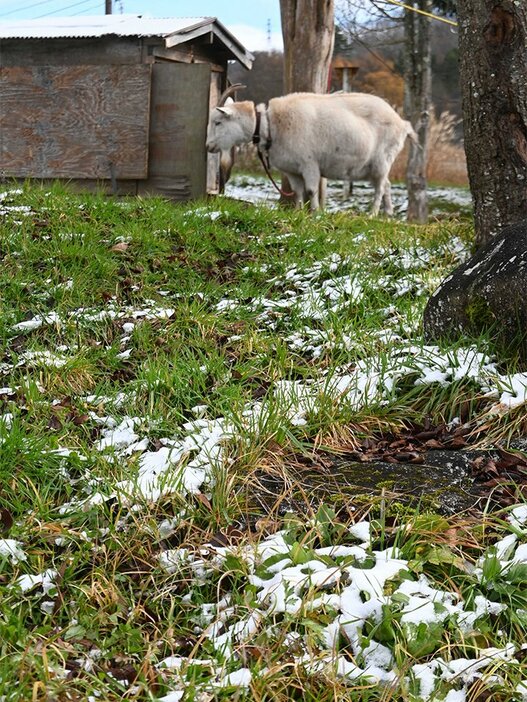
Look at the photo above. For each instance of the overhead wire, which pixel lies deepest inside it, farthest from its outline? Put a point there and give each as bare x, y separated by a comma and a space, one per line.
87, 9
23, 8
61, 9
26, 7
422, 12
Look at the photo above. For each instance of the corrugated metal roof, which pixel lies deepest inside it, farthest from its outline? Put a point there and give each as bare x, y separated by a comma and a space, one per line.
175, 30
99, 26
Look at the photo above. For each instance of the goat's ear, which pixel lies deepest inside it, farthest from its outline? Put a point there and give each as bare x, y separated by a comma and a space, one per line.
227, 111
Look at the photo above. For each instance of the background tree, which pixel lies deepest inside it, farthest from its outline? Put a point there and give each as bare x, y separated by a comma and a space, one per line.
493, 67
375, 42
308, 28
418, 103
308, 32
417, 90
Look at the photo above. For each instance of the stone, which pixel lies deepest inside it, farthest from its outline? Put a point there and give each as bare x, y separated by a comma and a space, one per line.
486, 293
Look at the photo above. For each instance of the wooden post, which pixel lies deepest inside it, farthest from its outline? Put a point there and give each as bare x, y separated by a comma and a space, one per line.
107, 7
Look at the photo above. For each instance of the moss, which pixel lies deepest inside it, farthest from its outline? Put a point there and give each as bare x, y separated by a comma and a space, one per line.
479, 315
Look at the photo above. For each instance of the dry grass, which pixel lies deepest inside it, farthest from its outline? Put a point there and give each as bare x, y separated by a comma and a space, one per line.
446, 156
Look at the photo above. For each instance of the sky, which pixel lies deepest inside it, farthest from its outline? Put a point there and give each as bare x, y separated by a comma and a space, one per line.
255, 24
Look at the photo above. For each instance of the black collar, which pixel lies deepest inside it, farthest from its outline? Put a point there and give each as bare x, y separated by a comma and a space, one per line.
257, 138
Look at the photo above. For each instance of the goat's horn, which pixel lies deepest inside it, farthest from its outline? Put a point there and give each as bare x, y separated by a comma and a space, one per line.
230, 91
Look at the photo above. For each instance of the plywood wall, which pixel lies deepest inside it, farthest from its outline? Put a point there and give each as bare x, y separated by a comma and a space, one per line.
75, 121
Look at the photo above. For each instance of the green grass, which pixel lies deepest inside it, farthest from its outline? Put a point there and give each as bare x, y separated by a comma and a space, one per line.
246, 320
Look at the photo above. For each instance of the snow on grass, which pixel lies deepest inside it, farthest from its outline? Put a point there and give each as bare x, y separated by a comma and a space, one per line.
329, 288
44, 580
8, 210
34, 359
518, 515
259, 190
346, 605
188, 463
150, 310
355, 596
37, 321
12, 549
312, 293
513, 391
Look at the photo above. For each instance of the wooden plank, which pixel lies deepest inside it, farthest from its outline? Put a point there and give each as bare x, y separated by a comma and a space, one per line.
185, 57
74, 51
75, 121
217, 80
178, 129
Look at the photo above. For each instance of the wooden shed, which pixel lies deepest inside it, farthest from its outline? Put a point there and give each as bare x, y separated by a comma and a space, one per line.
114, 101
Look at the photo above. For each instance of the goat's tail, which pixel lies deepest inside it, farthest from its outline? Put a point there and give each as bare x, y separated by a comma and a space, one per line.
422, 122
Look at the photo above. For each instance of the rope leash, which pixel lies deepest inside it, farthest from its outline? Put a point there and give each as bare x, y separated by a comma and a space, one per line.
265, 159
269, 174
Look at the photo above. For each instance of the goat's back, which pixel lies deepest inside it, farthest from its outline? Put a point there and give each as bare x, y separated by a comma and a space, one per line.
313, 112
362, 104
349, 134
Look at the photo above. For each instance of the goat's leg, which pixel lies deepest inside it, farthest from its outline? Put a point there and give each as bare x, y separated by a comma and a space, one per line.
322, 192
347, 189
378, 184
312, 184
387, 198
297, 184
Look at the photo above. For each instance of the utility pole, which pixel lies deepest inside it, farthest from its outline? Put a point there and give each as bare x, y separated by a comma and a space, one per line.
107, 7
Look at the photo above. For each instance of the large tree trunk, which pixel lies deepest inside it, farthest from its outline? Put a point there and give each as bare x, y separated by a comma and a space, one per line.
493, 69
417, 104
308, 28
486, 294
308, 31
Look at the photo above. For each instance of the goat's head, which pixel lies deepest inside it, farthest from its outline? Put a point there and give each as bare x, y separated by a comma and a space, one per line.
224, 131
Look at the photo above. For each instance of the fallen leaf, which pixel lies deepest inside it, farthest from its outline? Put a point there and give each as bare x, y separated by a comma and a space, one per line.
121, 246
6, 519
204, 501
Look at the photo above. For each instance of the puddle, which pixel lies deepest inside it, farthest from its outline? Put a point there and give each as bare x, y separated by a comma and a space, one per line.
444, 479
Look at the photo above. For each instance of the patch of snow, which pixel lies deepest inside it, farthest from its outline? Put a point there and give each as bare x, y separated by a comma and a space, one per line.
10, 548
518, 515
259, 190
174, 696
45, 580
238, 678
515, 393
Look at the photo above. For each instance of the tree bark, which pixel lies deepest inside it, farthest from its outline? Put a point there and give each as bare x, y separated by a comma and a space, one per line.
493, 70
417, 105
308, 32
308, 28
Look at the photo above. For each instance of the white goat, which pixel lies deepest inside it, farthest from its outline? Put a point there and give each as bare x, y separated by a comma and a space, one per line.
343, 136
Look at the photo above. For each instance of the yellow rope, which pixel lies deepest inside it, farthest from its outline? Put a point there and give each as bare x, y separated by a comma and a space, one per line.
423, 12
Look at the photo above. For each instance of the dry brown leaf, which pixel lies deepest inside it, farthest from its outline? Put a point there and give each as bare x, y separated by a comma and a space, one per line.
120, 247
